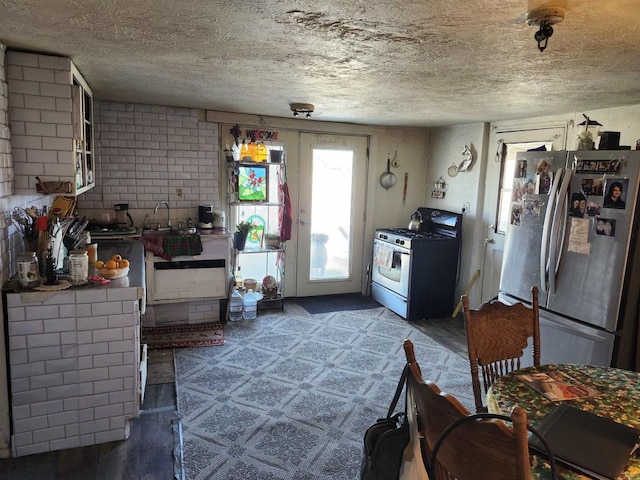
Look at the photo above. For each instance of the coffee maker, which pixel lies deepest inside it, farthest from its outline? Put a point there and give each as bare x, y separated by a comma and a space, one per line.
205, 216
123, 218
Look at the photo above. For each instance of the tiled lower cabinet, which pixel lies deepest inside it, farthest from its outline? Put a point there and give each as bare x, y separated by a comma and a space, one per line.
74, 367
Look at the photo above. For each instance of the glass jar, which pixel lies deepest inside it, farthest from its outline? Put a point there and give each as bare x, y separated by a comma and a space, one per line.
28, 270
78, 267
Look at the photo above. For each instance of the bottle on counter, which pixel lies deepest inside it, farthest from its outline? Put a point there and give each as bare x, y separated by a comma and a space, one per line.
235, 306
253, 149
235, 152
250, 306
50, 268
244, 152
262, 153
239, 279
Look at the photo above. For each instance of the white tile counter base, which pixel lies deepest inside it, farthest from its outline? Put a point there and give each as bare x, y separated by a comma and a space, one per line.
74, 359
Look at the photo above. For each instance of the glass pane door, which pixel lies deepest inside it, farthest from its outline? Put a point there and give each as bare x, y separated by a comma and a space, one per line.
331, 219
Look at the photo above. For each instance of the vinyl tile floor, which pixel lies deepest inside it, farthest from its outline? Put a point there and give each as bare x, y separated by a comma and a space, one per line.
148, 453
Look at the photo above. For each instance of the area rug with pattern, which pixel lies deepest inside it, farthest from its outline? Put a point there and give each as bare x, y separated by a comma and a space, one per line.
290, 394
194, 335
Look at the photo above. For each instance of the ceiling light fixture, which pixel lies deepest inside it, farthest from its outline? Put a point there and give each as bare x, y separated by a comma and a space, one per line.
544, 17
302, 108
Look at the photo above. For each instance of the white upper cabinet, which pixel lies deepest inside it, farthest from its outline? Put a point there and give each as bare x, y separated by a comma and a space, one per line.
51, 123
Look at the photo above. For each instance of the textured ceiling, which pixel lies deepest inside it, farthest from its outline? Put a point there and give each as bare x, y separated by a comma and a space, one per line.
378, 62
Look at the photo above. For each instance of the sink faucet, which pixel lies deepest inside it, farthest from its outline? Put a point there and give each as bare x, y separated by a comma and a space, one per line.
155, 210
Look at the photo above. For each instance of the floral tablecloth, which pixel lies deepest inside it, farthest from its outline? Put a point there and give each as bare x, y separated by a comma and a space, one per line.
618, 398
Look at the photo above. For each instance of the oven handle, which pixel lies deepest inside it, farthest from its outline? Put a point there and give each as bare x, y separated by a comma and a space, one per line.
395, 248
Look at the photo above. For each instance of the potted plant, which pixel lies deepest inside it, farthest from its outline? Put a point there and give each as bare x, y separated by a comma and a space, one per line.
240, 235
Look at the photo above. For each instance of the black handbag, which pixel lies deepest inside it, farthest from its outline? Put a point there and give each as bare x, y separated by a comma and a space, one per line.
385, 441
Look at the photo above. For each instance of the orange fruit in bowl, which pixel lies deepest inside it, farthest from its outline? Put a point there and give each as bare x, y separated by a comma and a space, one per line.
116, 257
99, 264
112, 272
110, 264
124, 263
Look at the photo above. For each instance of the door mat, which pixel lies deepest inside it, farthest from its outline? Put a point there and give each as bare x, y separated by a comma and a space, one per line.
176, 336
337, 303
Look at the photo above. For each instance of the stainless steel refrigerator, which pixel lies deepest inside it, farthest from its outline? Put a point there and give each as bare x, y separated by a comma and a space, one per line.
573, 232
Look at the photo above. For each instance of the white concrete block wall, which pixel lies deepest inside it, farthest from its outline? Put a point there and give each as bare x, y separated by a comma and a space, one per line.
73, 367
149, 153
6, 173
201, 311
39, 89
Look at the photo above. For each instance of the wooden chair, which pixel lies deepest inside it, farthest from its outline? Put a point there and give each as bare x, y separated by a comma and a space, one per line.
497, 335
482, 449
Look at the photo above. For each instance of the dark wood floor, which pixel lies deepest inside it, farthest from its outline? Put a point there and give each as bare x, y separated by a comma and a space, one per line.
447, 331
146, 455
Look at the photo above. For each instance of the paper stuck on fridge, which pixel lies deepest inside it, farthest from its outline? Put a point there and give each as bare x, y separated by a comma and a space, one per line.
579, 236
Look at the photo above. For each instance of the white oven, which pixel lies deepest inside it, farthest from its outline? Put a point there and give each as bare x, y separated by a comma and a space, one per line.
392, 267
414, 273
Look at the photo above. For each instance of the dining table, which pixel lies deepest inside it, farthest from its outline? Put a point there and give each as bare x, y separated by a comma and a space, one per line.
614, 393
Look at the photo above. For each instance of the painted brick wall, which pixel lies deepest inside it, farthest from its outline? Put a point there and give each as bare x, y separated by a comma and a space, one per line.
147, 154
11, 242
40, 120
6, 174
74, 376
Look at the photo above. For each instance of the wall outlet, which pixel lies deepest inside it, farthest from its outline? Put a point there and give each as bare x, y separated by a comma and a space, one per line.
179, 192
465, 207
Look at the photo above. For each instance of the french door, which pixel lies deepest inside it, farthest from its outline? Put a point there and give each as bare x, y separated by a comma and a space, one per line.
330, 215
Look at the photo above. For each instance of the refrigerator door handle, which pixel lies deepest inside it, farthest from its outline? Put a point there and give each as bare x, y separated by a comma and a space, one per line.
546, 229
559, 224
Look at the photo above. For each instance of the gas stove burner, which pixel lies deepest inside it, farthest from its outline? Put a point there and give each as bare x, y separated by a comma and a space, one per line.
413, 234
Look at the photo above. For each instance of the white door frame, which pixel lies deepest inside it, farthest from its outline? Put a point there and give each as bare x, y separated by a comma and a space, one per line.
360, 145
492, 244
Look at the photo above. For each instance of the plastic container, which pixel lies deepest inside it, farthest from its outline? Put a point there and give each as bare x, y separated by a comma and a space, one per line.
250, 306
244, 152
235, 306
262, 152
235, 152
253, 150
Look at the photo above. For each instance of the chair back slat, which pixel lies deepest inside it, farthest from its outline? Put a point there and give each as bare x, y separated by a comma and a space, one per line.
480, 450
497, 336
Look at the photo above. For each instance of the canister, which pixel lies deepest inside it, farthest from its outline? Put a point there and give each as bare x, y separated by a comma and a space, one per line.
78, 267
219, 222
28, 270
92, 253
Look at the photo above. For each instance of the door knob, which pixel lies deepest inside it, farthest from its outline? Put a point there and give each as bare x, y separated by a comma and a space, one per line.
489, 240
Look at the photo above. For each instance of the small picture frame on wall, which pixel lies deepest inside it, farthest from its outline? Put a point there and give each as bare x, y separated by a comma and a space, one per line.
253, 184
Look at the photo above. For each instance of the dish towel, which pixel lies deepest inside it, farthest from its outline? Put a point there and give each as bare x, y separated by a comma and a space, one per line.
383, 257
173, 245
